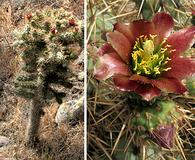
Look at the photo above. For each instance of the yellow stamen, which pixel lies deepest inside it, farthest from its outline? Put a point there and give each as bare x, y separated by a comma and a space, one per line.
149, 59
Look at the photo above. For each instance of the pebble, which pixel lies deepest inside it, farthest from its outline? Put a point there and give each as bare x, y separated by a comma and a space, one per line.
4, 141
68, 111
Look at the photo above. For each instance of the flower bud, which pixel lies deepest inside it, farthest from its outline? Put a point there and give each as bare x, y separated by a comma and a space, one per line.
29, 16
54, 30
72, 22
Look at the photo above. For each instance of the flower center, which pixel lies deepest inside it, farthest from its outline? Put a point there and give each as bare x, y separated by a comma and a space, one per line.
149, 59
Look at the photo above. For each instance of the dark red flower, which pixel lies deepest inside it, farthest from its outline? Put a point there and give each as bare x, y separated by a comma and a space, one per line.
164, 135
193, 12
54, 30
145, 57
29, 16
72, 22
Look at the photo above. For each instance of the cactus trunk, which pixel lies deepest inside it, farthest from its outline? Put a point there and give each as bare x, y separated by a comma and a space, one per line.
34, 119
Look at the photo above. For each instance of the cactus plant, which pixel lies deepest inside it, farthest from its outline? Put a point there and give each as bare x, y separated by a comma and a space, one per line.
43, 46
134, 123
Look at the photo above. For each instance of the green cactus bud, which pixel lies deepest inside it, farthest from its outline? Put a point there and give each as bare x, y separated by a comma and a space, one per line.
162, 113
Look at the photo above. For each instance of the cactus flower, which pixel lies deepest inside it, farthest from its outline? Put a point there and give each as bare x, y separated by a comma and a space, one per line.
72, 22
193, 12
145, 57
54, 31
29, 16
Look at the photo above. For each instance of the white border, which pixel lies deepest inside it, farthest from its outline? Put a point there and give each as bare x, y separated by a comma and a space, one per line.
85, 80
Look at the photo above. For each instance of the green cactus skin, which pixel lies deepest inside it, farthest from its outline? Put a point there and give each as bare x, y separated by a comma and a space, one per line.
190, 83
43, 46
165, 112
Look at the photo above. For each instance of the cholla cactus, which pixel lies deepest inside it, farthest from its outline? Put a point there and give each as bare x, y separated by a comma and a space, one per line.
44, 48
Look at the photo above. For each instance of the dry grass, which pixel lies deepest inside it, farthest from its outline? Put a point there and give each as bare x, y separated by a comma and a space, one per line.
56, 143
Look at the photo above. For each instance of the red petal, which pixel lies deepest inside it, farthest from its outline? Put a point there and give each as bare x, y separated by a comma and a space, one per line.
139, 78
181, 40
141, 27
108, 65
181, 68
164, 136
148, 92
121, 44
106, 48
163, 25
124, 29
170, 85
124, 84
193, 12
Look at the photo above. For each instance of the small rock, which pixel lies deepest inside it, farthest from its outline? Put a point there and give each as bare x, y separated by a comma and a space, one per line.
4, 141
69, 111
62, 113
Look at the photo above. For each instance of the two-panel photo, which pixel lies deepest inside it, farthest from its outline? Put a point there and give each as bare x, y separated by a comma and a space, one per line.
97, 80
